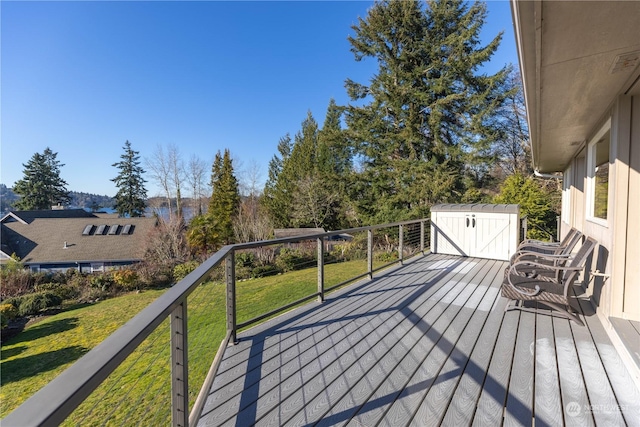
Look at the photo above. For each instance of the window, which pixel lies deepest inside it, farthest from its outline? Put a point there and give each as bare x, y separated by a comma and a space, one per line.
599, 174
97, 267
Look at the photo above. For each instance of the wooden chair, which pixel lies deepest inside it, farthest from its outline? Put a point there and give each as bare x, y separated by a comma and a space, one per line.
547, 283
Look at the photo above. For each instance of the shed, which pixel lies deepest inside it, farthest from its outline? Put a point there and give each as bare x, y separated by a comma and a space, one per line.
477, 230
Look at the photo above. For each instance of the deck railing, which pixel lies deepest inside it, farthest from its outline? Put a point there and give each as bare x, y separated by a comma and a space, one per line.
168, 318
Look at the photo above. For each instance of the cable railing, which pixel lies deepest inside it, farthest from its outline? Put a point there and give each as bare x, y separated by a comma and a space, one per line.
160, 365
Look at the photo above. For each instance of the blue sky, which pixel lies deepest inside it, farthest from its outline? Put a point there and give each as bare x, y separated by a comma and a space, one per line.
84, 77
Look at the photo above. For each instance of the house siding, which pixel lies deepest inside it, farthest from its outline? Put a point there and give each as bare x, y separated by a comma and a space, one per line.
616, 295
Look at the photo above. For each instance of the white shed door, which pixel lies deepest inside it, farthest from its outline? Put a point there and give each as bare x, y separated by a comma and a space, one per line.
451, 233
492, 236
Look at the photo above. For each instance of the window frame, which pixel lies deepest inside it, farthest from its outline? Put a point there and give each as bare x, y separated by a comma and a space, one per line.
566, 205
591, 179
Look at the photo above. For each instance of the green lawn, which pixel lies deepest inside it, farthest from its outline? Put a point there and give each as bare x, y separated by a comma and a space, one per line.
139, 390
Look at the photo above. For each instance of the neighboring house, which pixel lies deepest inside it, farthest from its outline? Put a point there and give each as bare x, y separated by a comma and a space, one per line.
58, 240
581, 74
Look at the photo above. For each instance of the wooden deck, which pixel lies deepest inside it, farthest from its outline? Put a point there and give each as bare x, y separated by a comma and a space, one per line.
425, 344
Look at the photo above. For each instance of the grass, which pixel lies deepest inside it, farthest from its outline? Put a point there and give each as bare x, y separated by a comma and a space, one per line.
138, 392
39, 353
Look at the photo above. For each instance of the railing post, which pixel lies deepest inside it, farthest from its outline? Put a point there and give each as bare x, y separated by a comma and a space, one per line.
422, 236
400, 243
320, 269
179, 367
230, 267
370, 253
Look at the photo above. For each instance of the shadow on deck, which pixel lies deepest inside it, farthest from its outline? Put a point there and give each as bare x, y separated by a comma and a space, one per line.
427, 343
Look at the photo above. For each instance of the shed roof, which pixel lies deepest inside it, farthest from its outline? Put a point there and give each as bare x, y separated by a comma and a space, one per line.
476, 207
295, 232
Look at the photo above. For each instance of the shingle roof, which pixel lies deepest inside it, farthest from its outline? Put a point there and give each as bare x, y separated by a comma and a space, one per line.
43, 239
29, 216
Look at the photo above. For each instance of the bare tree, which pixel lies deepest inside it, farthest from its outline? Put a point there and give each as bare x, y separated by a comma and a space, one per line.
166, 169
253, 224
177, 173
158, 168
512, 146
196, 172
250, 179
166, 244
313, 203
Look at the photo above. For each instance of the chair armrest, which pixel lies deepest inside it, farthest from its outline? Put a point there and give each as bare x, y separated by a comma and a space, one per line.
535, 291
550, 257
539, 242
553, 248
555, 268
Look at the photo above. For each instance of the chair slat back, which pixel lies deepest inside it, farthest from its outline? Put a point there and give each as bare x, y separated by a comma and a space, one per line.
579, 260
571, 235
570, 243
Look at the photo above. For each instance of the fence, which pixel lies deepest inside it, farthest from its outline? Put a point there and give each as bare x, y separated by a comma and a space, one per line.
145, 372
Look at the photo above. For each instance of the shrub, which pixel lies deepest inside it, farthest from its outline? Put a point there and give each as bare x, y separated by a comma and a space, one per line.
7, 312
386, 256
245, 259
89, 294
154, 275
101, 281
126, 279
181, 271
354, 249
34, 303
63, 290
264, 270
293, 259
78, 281
15, 283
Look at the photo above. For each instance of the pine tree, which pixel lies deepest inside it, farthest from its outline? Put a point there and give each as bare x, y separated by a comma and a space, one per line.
42, 187
225, 198
425, 117
307, 182
131, 197
334, 151
279, 188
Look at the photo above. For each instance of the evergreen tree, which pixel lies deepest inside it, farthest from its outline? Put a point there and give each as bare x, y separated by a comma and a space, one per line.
535, 202
303, 189
279, 188
202, 234
42, 187
334, 151
225, 198
132, 195
424, 120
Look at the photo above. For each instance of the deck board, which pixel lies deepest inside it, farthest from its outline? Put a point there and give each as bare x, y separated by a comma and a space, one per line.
427, 343
462, 408
573, 391
548, 404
